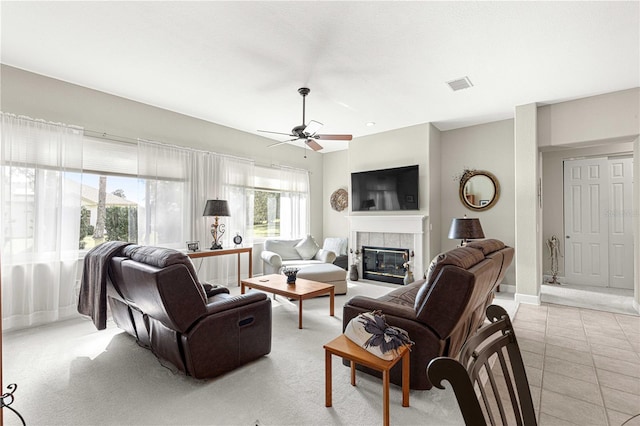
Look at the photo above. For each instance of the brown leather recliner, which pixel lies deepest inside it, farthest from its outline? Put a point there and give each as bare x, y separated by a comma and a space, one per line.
154, 295
443, 310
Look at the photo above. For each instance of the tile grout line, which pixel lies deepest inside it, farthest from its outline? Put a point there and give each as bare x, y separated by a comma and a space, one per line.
595, 369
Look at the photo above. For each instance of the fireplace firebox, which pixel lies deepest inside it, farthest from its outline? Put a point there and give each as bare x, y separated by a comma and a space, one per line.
384, 264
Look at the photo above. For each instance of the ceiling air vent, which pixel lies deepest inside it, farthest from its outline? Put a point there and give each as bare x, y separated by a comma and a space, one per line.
460, 83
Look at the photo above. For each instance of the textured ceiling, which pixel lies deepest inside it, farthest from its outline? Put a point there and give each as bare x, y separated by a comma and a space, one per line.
240, 64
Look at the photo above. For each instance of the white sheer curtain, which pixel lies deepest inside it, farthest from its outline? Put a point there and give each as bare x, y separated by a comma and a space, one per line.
216, 176
165, 173
294, 202
40, 206
237, 178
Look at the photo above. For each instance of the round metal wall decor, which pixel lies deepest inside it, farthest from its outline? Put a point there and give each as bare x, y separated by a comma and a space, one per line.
339, 200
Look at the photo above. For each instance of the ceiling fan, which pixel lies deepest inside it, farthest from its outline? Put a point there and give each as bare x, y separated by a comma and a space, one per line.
308, 132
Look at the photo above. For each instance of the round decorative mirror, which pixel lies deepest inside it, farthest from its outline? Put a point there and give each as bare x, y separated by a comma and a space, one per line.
479, 190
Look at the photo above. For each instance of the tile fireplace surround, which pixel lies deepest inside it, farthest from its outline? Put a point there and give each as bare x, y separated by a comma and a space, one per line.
400, 231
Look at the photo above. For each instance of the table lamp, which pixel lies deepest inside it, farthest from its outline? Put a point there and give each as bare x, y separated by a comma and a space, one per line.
216, 208
465, 228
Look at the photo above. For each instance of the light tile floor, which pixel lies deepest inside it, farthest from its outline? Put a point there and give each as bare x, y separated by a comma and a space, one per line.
583, 365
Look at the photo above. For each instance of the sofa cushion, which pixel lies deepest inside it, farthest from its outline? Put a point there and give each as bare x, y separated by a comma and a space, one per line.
487, 246
307, 248
336, 245
285, 248
462, 257
299, 263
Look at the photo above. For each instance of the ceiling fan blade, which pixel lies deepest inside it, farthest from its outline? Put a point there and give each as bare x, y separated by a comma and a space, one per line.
334, 137
312, 128
276, 133
313, 145
281, 143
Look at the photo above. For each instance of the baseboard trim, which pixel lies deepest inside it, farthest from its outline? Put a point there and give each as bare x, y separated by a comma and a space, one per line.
636, 305
527, 298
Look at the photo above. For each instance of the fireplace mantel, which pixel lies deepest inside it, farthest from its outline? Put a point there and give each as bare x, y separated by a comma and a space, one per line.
387, 225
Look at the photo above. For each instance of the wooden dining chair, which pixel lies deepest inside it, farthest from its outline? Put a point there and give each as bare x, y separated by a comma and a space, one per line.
488, 378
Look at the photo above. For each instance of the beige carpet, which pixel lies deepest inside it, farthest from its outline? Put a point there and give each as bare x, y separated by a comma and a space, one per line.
71, 374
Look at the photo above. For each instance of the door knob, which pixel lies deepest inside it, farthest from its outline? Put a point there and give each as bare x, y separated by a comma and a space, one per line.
567, 237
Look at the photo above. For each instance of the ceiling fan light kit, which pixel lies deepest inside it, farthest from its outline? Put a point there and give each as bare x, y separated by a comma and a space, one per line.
309, 132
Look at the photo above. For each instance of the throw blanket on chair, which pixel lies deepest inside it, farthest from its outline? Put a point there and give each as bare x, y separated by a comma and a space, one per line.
93, 287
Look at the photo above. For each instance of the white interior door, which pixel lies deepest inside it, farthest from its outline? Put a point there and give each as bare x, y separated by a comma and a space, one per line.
586, 225
598, 219
620, 222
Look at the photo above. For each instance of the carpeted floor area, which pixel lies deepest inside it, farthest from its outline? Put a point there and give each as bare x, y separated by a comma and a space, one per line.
69, 373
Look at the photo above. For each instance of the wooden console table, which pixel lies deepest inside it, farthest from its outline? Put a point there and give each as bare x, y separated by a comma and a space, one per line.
222, 252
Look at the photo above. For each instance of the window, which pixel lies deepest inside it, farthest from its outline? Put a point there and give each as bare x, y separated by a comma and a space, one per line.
266, 213
280, 202
109, 210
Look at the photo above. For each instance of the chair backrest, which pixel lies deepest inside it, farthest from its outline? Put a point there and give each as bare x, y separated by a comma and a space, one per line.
489, 378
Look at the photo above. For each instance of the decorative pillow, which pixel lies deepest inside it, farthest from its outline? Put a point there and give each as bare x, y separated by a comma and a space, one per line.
370, 331
307, 248
336, 245
285, 248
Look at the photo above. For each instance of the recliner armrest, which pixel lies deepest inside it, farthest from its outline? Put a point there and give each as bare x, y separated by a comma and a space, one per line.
232, 302
326, 256
211, 290
387, 308
272, 258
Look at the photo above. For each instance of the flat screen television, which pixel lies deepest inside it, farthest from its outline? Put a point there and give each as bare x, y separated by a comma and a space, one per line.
385, 189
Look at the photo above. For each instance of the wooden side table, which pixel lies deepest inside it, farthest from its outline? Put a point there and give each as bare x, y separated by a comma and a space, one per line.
343, 347
223, 252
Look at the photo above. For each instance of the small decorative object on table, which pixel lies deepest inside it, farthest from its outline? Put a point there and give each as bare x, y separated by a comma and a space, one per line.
237, 240
291, 274
193, 245
408, 276
371, 331
353, 270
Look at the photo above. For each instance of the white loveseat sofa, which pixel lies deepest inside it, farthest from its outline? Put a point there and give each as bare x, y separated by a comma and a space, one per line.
293, 253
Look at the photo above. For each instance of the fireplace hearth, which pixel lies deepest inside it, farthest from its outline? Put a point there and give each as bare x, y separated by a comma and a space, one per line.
384, 264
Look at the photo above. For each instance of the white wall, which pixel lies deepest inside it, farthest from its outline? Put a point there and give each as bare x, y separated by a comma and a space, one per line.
595, 118
636, 222
435, 193
527, 211
487, 147
335, 173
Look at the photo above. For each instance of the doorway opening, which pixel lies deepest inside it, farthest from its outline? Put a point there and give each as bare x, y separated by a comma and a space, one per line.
598, 214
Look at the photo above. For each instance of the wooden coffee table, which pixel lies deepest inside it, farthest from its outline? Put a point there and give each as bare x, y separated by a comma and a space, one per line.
301, 290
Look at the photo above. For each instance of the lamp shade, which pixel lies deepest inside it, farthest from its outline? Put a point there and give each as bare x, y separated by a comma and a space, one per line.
216, 208
465, 228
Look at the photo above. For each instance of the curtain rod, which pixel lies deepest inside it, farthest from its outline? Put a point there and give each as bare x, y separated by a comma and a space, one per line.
133, 141
110, 137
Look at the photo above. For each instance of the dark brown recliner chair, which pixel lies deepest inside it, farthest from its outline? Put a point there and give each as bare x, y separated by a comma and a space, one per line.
154, 295
443, 310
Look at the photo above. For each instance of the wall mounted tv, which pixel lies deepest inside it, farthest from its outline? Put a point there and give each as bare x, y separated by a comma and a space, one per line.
385, 189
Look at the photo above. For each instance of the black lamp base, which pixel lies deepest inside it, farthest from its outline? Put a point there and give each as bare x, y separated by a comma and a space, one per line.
216, 246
